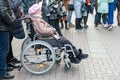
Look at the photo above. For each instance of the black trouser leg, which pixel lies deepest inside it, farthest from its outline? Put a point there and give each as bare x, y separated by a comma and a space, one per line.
61, 22
88, 10
66, 25
64, 41
85, 20
106, 18
98, 18
10, 53
55, 24
118, 18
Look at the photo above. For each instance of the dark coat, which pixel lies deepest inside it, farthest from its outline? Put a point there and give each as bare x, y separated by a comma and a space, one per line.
7, 16
17, 30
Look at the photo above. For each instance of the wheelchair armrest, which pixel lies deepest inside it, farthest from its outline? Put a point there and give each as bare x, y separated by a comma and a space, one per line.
42, 35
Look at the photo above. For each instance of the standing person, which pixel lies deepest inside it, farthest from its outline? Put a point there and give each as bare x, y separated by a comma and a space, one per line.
110, 13
78, 14
103, 10
96, 21
85, 17
64, 19
45, 13
55, 13
70, 11
17, 31
7, 20
92, 7
118, 11
86, 12
65, 6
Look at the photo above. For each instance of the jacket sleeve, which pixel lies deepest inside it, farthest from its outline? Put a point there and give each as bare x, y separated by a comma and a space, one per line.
6, 14
17, 3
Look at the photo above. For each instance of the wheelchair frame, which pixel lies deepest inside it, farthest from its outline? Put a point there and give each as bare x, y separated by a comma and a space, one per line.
53, 52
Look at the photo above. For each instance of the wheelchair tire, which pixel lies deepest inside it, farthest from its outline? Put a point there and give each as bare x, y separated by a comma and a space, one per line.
66, 67
25, 42
38, 57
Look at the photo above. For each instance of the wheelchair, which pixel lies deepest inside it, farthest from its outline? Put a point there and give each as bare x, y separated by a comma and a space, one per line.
38, 56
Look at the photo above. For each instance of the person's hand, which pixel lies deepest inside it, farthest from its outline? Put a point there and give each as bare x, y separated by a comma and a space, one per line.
56, 36
89, 4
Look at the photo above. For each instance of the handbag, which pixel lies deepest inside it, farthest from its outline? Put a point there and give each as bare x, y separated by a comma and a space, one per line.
71, 7
18, 30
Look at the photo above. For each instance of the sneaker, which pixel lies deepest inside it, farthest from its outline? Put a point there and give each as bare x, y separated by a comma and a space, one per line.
71, 25
109, 28
6, 76
15, 60
11, 64
105, 25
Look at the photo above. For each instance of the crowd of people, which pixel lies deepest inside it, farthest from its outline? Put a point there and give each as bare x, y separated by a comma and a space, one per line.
52, 13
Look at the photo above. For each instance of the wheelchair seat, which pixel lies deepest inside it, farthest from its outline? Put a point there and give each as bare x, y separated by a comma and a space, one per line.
53, 42
47, 38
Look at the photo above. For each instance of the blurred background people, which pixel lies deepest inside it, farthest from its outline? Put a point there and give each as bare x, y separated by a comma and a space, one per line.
118, 12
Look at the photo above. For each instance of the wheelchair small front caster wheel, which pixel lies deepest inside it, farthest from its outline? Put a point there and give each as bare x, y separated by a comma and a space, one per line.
58, 61
19, 68
67, 67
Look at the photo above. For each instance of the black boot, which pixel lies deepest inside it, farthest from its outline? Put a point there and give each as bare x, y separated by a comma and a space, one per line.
81, 55
66, 25
62, 26
77, 23
73, 59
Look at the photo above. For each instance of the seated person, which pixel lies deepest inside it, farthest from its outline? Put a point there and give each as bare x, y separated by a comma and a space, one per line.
40, 26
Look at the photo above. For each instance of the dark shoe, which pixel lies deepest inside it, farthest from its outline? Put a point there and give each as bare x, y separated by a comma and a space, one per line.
66, 28
81, 55
74, 60
15, 60
9, 69
6, 76
86, 26
12, 65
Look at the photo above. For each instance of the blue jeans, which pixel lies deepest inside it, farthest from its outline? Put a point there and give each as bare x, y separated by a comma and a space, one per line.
4, 48
111, 13
69, 16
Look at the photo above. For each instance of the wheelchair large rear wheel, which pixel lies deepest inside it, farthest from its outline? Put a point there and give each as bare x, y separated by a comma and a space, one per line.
25, 43
38, 57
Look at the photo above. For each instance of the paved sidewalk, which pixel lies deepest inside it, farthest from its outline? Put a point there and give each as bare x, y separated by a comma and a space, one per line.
103, 63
